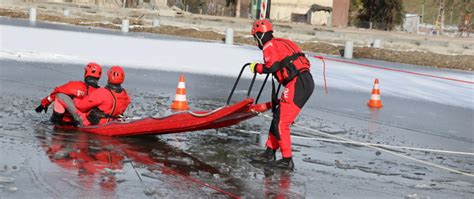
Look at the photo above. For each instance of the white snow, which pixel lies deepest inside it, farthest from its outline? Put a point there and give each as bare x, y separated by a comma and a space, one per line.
46, 45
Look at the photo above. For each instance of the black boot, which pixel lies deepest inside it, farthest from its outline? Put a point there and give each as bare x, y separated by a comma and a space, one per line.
56, 118
284, 163
267, 156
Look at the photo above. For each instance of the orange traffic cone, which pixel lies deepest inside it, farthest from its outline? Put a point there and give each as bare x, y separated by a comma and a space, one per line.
180, 102
375, 101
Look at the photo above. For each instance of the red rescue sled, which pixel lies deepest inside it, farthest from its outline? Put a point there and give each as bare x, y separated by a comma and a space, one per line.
179, 122
185, 121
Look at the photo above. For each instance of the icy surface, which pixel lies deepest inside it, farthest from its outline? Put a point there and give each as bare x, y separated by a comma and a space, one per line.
222, 159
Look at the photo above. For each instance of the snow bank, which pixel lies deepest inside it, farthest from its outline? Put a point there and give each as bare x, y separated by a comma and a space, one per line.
31, 44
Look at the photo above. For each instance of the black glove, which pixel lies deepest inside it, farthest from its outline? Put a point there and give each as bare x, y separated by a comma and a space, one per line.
41, 108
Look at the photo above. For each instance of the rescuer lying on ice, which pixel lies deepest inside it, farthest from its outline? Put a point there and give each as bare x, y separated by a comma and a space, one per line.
291, 68
73, 89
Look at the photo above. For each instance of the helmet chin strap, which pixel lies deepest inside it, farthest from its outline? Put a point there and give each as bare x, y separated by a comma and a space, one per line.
259, 40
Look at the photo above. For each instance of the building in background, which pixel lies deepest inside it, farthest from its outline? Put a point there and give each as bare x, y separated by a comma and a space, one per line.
315, 12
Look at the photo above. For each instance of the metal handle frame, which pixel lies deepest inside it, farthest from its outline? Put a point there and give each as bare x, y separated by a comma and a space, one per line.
250, 87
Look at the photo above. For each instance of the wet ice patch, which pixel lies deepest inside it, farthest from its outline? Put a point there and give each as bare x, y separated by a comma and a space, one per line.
7, 183
6, 179
416, 196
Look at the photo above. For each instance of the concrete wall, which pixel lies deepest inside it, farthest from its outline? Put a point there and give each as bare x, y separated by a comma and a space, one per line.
101, 3
159, 3
84, 1
109, 3
43, 1
319, 18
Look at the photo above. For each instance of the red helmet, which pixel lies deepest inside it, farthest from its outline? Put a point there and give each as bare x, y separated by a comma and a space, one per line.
116, 75
262, 25
93, 70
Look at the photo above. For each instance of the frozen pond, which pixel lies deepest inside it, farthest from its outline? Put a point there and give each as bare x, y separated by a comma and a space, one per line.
38, 161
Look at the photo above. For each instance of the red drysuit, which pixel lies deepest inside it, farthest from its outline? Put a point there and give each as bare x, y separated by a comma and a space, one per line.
74, 89
103, 105
291, 68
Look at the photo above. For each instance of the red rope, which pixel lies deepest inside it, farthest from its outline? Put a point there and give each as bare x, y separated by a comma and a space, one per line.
324, 73
397, 70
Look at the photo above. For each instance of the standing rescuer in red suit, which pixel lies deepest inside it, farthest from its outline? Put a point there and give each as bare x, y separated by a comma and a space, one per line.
290, 68
73, 89
105, 104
